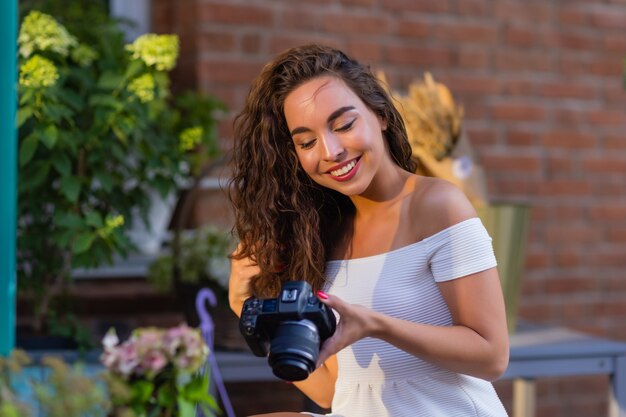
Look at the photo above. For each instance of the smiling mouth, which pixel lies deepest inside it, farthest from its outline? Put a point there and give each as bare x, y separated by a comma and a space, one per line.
345, 169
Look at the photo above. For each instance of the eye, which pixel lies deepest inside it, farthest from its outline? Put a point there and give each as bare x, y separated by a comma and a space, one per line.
308, 145
346, 127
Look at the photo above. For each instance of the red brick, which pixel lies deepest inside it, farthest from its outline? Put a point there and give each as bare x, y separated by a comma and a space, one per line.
559, 165
236, 14
569, 139
522, 138
571, 232
280, 42
564, 187
607, 117
614, 43
251, 43
426, 6
411, 27
531, 37
359, 2
480, 135
519, 87
356, 24
617, 142
472, 84
607, 164
532, 13
568, 285
504, 162
568, 89
608, 18
460, 32
567, 15
300, 19
418, 55
229, 71
518, 112
474, 8
364, 51
466, 58
216, 41
579, 41
518, 61
537, 259
608, 213
607, 67
569, 117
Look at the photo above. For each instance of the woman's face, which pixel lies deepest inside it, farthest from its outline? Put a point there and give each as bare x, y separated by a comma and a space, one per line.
338, 139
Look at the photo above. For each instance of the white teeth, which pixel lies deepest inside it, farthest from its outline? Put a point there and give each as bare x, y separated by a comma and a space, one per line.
343, 171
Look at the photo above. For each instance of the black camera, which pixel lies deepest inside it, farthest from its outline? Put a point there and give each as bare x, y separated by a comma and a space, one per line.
291, 328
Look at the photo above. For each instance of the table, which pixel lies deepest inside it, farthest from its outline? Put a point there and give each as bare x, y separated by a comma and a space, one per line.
536, 352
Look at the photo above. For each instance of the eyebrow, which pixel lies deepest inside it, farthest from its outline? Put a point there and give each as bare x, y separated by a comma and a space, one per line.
333, 116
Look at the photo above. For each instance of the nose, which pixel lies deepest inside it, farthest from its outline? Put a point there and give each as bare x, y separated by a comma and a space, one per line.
332, 148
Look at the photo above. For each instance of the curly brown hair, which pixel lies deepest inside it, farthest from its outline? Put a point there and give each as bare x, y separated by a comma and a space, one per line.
286, 222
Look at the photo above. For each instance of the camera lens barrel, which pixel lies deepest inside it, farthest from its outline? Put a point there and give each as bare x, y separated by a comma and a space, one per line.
294, 350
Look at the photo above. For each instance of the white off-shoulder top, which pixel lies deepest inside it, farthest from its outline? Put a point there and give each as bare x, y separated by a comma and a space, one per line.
375, 378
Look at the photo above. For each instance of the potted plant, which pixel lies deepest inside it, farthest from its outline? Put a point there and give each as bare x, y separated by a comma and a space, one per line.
99, 134
158, 372
201, 260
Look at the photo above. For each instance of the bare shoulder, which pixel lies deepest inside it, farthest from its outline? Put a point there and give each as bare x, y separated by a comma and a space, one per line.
439, 204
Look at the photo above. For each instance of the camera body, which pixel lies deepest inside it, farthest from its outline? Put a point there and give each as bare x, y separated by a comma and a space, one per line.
289, 328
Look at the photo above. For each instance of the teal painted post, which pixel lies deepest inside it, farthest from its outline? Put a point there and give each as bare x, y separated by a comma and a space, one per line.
8, 172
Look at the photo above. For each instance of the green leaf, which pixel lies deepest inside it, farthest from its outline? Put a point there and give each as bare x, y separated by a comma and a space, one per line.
106, 101
49, 136
70, 187
56, 112
28, 148
94, 219
23, 114
35, 176
186, 408
166, 396
69, 220
134, 68
62, 164
72, 99
141, 391
26, 95
106, 181
82, 242
63, 239
110, 81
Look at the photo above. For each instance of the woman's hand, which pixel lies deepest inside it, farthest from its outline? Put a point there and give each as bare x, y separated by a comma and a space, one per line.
240, 281
355, 323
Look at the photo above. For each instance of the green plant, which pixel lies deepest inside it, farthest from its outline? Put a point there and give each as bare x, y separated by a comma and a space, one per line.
63, 391
99, 131
202, 259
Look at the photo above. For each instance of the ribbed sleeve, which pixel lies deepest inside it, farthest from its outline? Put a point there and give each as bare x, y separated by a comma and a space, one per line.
462, 249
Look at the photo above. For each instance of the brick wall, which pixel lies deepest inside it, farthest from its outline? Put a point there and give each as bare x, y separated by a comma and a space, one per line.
541, 84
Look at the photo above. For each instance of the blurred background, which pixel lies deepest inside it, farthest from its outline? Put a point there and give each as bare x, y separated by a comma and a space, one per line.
529, 97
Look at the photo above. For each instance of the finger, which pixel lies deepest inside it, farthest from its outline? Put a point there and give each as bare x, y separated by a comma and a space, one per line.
329, 348
332, 301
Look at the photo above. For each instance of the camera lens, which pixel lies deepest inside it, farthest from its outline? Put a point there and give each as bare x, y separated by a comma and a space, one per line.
294, 350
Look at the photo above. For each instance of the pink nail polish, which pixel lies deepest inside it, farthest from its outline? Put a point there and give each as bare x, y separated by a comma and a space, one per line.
322, 294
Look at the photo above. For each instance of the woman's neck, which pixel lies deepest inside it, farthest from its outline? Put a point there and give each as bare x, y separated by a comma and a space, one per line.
384, 193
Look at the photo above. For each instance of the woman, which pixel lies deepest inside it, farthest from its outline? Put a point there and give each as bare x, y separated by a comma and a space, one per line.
324, 190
